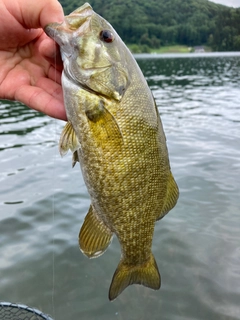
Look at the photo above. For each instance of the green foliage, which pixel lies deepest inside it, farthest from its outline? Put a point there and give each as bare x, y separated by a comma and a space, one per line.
226, 35
155, 23
136, 48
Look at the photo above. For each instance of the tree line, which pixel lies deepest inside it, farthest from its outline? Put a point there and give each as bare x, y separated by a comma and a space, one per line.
156, 23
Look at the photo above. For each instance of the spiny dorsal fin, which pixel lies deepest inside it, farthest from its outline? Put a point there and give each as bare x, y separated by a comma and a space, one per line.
94, 236
146, 274
171, 197
68, 140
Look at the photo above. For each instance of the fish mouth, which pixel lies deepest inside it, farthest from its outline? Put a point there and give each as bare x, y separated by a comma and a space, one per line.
75, 22
53, 31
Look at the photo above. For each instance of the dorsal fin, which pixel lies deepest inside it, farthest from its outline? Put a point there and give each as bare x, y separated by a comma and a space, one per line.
171, 197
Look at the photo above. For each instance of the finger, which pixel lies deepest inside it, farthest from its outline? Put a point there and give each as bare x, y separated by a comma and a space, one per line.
55, 75
51, 87
50, 51
40, 100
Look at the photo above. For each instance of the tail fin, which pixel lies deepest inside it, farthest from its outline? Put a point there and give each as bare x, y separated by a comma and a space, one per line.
146, 274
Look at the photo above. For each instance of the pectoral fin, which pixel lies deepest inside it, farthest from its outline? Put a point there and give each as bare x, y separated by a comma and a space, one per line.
94, 236
171, 197
68, 140
103, 124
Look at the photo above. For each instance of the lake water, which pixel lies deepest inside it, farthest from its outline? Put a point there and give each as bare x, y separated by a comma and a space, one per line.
43, 202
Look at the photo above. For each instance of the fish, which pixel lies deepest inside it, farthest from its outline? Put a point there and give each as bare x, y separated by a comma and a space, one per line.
115, 132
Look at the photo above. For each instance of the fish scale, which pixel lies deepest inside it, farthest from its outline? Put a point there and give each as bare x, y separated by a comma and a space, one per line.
115, 132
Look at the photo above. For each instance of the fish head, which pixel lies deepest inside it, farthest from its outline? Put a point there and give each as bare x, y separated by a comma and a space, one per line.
93, 54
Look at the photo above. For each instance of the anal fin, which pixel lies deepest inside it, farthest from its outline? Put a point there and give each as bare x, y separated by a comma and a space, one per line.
94, 236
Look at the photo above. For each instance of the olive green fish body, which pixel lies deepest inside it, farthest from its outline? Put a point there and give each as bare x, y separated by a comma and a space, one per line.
115, 132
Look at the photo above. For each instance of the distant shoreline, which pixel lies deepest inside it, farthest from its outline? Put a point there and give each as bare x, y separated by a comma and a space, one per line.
135, 48
186, 55
175, 49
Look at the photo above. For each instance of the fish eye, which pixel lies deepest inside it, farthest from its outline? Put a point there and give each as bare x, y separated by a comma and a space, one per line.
106, 36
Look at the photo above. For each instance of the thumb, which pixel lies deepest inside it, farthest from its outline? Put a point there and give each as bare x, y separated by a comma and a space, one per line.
36, 14
52, 11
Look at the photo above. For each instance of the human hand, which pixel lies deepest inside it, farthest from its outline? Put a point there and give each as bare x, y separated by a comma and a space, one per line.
30, 62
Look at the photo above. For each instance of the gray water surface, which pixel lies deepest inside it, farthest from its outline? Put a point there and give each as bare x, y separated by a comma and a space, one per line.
197, 245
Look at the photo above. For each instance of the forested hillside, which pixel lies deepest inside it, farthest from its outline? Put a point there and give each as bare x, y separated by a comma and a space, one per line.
154, 23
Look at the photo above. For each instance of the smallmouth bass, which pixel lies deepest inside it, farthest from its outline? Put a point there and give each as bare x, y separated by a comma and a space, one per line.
115, 132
